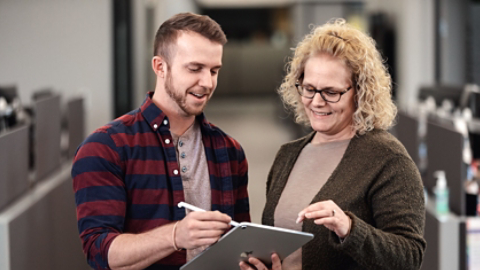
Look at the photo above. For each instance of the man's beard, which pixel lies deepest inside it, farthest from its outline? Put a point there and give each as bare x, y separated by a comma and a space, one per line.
180, 99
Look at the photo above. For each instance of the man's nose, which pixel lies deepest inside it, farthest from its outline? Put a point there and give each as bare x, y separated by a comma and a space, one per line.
207, 80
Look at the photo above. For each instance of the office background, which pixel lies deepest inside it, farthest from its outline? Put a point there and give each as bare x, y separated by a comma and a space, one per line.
99, 51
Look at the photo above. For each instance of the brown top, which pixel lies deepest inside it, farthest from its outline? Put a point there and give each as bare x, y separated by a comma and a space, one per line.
313, 167
378, 185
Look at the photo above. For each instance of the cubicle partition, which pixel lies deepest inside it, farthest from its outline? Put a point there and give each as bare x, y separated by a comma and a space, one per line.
76, 124
445, 152
453, 242
406, 131
46, 138
14, 155
447, 235
38, 224
444, 234
39, 231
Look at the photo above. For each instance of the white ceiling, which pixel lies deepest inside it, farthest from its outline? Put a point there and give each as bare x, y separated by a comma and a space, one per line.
243, 3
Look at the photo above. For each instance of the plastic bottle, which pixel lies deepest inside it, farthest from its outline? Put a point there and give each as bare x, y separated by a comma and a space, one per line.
441, 193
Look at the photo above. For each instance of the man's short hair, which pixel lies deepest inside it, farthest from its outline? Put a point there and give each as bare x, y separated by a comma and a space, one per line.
168, 32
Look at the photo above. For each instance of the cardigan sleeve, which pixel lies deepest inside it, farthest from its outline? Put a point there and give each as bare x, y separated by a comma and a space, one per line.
397, 204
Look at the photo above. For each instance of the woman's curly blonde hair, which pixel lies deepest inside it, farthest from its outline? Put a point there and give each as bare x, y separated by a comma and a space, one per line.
370, 78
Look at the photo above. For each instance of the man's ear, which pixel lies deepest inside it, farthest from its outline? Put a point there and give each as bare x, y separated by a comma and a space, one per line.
159, 66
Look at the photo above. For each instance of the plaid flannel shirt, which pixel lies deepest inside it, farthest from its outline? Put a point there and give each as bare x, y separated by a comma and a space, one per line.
126, 179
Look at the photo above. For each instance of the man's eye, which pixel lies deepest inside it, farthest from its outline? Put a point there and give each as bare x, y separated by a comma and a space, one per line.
214, 72
194, 69
310, 90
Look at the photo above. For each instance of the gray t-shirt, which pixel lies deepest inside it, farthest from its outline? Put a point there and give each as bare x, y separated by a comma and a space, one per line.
194, 171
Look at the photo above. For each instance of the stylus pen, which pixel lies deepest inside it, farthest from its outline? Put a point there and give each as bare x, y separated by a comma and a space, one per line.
194, 208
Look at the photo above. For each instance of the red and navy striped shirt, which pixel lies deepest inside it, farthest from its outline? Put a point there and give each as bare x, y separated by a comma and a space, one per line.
126, 180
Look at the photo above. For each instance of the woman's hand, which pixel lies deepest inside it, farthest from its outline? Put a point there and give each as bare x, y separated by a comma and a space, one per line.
276, 263
328, 214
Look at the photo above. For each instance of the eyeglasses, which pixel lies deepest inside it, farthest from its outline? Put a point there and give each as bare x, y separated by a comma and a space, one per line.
328, 94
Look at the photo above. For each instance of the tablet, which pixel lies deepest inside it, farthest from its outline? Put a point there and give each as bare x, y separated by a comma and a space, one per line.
248, 239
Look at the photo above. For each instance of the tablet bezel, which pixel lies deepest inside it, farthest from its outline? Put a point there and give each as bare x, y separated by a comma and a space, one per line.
248, 239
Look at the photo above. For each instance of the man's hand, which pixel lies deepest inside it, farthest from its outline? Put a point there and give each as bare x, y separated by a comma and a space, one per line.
201, 229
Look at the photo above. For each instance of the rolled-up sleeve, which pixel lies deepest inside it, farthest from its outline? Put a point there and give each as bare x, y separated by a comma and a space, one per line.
100, 196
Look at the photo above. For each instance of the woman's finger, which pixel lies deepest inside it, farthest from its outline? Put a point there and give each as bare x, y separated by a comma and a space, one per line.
244, 266
326, 213
276, 263
257, 263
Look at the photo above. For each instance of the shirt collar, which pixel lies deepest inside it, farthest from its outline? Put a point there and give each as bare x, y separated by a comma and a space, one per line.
156, 118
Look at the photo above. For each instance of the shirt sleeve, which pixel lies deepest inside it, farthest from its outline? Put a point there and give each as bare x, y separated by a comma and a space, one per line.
100, 196
242, 207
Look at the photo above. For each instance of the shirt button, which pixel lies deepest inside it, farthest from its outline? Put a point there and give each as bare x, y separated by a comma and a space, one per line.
180, 143
155, 126
175, 172
167, 141
183, 155
165, 122
184, 169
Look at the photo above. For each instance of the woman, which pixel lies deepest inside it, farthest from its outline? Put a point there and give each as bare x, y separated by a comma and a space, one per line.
349, 182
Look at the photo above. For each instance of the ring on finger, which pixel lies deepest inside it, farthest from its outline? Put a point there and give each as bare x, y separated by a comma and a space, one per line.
333, 212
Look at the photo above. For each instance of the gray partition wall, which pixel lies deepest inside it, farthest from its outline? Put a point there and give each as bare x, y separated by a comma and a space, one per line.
444, 152
406, 131
38, 224
14, 149
443, 234
39, 230
47, 128
76, 124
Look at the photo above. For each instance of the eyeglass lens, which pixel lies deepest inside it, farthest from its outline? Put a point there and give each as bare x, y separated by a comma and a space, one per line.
327, 94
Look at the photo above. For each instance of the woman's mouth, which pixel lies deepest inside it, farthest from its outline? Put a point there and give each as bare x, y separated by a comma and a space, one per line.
321, 113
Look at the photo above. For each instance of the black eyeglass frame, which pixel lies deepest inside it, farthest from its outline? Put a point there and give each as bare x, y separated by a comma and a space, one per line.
298, 85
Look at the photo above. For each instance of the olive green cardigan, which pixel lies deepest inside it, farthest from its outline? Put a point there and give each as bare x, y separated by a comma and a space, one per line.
378, 185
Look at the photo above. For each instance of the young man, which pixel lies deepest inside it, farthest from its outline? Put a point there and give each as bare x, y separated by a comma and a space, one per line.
129, 175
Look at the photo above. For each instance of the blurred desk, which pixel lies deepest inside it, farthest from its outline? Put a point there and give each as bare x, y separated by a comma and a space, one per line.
444, 251
14, 146
39, 229
451, 243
